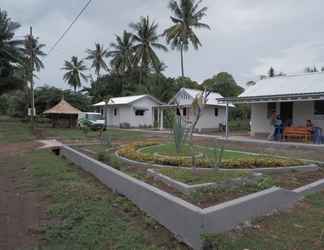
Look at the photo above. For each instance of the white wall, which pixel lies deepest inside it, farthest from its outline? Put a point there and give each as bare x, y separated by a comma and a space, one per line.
259, 121
208, 120
126, 114
302, 111
148, 118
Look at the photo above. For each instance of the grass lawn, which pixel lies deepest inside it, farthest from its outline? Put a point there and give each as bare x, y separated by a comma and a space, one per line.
86, 215
170, 150
77, 134
300, 229
188, 177
13, 132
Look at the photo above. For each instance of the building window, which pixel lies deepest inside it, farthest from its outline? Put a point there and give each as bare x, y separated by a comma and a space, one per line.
319, 108
178, 112
139, 112
115, 111
184, 111
271, 108
216, 111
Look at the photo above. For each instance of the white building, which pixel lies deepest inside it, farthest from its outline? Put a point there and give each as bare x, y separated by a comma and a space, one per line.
130, 111
214, 113
296, 98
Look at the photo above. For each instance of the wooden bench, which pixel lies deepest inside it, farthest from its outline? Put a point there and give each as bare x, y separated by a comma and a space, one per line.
297, 133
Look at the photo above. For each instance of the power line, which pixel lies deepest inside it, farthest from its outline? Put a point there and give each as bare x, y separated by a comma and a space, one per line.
69, 27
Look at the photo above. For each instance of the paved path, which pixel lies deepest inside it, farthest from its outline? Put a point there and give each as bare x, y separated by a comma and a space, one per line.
48, 144
237, 139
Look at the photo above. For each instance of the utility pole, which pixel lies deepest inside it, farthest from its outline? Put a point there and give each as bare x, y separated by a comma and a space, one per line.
31, 52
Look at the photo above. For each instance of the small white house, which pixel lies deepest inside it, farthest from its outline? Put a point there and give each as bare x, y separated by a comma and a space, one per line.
131, 111
213, 115
297, 98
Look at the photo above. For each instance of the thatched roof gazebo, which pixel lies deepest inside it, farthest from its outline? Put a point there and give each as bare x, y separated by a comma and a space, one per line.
63, 115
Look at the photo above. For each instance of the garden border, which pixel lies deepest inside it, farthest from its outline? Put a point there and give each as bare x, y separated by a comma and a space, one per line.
187, 221
185, 188
304, 168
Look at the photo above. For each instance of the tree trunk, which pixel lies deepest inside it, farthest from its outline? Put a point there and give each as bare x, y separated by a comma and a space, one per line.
182, 67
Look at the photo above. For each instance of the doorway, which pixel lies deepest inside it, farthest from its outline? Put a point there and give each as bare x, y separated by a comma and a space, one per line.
286, 113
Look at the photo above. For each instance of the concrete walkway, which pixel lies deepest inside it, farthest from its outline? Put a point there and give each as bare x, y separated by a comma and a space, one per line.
237, 138
48, 144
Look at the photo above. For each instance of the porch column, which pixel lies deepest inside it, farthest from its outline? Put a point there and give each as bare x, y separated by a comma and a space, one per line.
226, 120
161, 119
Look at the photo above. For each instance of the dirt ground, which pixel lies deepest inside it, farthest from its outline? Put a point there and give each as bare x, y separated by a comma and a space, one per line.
22, 210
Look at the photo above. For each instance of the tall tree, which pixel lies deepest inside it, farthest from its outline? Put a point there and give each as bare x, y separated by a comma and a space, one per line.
34, 52
186, 17
11, 54
74, 72
122, 53
224, 84
96, 56
271, 72
146, 39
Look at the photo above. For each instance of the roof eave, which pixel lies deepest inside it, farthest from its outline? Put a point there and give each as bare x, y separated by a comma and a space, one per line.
265, 98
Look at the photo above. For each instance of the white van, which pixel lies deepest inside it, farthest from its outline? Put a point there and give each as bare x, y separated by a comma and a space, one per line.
94, 119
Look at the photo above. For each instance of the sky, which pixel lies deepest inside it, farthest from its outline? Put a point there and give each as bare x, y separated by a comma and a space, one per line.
246, 37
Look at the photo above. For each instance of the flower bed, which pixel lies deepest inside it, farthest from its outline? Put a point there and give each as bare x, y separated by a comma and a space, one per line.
132, 152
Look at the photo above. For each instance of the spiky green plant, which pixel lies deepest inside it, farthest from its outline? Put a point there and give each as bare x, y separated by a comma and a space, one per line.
179, 134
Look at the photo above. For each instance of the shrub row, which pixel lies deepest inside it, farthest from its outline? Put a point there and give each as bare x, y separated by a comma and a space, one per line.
131, 151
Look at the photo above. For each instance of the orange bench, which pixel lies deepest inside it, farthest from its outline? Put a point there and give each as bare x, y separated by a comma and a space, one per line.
297, 133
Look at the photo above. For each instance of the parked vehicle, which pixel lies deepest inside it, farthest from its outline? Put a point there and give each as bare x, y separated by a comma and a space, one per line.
92, 120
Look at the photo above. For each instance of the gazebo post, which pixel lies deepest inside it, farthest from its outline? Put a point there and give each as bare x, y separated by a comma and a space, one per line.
161, 118
226, 120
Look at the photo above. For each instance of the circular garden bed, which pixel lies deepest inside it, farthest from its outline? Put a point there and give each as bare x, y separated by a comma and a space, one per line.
154, 152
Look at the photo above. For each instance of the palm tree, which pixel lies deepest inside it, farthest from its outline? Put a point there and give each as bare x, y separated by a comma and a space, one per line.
74, 72
33, 52
146, 39
10, 48
11, 54
97, 56
187, 17
122, 53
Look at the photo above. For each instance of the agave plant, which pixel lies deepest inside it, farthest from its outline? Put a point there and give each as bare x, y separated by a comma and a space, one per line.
179, 134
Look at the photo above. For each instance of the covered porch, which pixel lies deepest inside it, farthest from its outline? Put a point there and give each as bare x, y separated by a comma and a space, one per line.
295, 111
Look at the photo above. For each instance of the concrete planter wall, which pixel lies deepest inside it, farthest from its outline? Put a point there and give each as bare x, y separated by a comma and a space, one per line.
186, 221
274, 170
185, 188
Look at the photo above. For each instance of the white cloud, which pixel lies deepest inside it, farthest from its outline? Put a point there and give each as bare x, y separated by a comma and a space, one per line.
247, 37
293, 59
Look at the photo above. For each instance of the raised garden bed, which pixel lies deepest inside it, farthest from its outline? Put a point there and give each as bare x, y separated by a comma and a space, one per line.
185, 220
208, 195
145, 152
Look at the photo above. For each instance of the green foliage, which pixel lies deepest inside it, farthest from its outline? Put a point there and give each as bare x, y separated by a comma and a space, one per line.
231, 160
97, 58
265, 183
186, 18
104, 156
46, 97
85, 126
74, 72
146, 39
179, 134
224, 84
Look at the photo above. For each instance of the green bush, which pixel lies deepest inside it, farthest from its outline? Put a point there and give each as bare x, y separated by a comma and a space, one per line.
130, 151
104, 156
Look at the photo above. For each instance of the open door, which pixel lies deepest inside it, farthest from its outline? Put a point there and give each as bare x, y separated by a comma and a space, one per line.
286, 113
